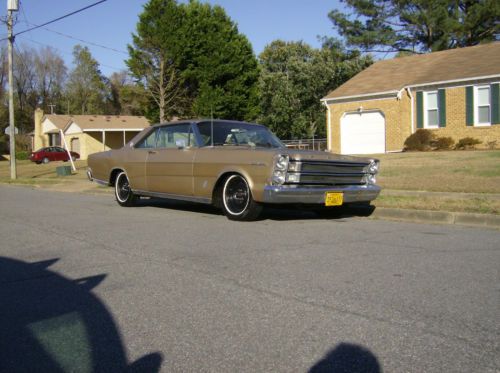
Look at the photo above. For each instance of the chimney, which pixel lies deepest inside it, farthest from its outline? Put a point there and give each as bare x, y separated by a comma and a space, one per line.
39, 137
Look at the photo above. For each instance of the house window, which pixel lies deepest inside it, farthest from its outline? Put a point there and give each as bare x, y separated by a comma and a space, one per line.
482, 109
431, 110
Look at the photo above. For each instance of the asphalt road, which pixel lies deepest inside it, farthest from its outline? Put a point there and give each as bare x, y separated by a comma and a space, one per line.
86, 285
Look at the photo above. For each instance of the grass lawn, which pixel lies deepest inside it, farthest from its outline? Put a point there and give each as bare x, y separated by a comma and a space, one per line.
451, 171
30, 173
475, 172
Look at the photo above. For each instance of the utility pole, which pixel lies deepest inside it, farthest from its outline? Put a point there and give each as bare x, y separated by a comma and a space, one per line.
12, 6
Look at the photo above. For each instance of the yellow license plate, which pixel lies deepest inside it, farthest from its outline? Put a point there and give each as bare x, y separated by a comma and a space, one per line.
334, 199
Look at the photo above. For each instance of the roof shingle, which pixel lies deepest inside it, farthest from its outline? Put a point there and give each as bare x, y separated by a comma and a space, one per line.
393, 75
89, 122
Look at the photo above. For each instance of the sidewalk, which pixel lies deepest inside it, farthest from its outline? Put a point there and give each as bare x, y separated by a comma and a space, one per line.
438, 217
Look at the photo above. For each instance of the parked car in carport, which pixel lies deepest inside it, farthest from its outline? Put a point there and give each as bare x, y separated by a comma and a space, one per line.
52, 153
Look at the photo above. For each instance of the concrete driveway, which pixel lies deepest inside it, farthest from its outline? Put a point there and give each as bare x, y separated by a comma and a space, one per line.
87, 285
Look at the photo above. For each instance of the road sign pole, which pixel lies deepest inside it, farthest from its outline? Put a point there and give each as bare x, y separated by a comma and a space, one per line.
12, 135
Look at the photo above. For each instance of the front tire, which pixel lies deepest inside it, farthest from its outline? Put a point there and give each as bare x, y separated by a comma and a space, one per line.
123, 193
237, 201
45, 160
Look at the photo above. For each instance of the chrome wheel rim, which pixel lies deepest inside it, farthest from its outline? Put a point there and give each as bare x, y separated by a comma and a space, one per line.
236, 195
122, 188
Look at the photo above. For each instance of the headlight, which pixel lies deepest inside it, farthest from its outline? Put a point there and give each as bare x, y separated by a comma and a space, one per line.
371, 179
280, 168
373, 167
282, 162
279, 177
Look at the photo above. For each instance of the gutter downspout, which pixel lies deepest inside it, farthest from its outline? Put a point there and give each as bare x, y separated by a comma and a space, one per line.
328, 127
411, 110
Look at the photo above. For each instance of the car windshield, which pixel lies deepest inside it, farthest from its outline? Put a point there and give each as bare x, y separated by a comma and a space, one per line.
237, 133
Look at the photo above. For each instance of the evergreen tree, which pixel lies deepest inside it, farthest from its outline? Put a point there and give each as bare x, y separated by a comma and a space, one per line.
417, 25
193, 57
294, 78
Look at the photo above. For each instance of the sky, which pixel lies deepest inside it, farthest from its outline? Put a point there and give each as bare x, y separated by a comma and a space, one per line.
112, 23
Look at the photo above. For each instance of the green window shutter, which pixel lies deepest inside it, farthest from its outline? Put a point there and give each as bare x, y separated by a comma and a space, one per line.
420, 109
495, 104
469, 105
442, 107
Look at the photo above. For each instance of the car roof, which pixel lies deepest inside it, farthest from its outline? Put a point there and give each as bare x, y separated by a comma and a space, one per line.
196, 121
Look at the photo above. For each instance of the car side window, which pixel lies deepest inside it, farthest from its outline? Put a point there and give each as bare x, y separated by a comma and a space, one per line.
149, 141
170, 137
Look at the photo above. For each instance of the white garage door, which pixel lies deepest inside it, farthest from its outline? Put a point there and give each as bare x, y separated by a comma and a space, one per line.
362, 133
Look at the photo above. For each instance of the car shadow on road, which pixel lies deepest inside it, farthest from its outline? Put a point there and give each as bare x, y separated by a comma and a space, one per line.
347, 358
50, 323
279, 213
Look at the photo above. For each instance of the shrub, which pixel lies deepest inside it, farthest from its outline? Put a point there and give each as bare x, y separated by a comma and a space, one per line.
492, 144
421, 140
467, 143
22, 155
443, 143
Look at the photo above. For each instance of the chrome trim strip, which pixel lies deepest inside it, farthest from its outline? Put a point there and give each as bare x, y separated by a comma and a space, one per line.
177, 197
332, 162
322, 173
314, 195
101, 182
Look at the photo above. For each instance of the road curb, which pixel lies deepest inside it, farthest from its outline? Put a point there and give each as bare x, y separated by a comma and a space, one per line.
440, 217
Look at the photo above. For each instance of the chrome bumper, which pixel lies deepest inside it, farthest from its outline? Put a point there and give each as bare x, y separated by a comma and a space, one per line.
314, 195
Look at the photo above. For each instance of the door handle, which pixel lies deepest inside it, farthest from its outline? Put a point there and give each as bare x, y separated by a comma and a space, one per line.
152, 152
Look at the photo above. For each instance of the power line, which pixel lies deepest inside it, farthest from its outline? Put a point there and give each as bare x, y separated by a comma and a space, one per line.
114, 68
62, 17
81, 40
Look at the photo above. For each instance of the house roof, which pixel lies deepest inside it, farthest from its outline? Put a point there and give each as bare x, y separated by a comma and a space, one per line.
390, 76
109, 122
98, 122
60, 121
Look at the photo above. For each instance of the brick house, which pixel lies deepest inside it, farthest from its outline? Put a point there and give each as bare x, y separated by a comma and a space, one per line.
454, 93
86, 134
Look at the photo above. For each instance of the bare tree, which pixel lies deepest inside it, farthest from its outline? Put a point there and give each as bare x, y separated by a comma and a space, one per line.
51, 73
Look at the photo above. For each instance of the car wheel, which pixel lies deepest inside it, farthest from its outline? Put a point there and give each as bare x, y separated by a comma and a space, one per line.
73, 158
45, 160
123, 193
237, 201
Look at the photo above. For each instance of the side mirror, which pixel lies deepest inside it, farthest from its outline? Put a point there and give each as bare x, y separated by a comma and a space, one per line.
180, 143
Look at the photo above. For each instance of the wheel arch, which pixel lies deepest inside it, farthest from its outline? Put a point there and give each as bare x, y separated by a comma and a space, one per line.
217, 190
114, 174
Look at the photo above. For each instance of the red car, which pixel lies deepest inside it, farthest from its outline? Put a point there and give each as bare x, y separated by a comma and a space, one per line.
52, 153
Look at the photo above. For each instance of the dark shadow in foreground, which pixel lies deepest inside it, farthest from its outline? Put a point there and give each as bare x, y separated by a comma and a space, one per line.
271, 212
347, 358
49, 323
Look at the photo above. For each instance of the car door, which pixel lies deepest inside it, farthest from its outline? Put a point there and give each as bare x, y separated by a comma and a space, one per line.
60, 154
135, 160
51, 154
169, 168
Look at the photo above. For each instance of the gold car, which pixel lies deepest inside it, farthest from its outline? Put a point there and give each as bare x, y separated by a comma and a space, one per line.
236, 166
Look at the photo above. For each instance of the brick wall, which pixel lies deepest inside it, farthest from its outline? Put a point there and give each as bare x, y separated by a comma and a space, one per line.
397, 114
455, 121
397, 119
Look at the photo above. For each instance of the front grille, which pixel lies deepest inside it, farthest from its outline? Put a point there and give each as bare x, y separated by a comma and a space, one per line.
326, 172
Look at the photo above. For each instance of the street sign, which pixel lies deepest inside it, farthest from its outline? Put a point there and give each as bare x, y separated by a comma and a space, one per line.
7, 131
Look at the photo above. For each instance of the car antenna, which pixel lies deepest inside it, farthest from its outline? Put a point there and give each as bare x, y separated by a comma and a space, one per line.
212, 126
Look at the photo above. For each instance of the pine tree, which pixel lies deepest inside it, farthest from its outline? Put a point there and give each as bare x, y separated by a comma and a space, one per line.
417, 25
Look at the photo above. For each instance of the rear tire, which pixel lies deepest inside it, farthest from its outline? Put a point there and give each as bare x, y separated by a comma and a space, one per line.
123, 193
237, 201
